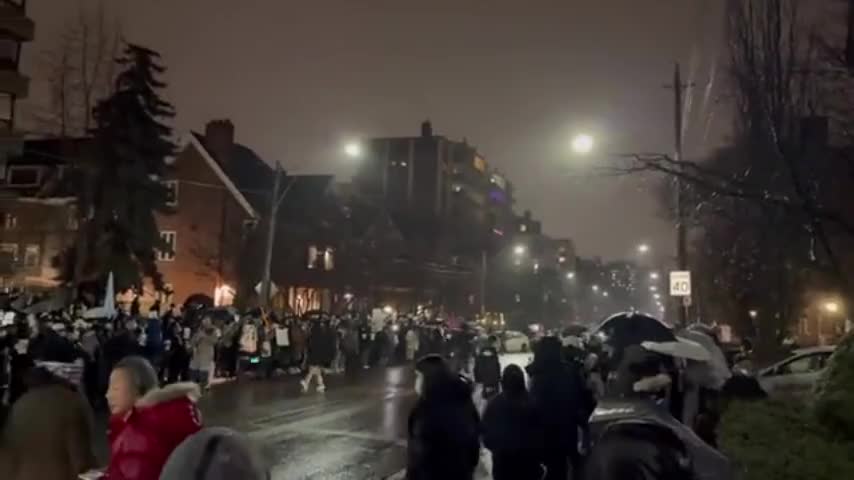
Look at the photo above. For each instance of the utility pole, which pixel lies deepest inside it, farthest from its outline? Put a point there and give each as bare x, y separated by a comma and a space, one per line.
681, 231
271, 237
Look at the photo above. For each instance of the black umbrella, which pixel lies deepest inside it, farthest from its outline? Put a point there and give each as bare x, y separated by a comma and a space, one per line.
198, 300
625, 329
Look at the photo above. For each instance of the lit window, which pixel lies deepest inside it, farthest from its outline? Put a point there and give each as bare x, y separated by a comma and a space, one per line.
320, 258
32, 255
171, 192
10, 221
170, 239
328, 260
523, 227
312, 257
10, 249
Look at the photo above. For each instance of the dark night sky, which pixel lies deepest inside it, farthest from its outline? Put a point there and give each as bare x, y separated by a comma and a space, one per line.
514, 77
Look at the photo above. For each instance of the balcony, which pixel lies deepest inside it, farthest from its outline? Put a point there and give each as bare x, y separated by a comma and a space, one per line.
14, 21
14, 83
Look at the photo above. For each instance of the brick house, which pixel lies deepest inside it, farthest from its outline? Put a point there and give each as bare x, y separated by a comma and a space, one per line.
207, 231
211, 222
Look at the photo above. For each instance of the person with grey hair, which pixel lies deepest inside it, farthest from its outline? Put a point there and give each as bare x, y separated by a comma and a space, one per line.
216, 454
147, 422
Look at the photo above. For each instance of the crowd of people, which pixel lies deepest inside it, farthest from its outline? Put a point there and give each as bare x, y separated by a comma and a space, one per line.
579, 410
148, 371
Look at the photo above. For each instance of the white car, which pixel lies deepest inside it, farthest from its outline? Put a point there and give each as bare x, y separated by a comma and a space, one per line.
515, 342
797, 374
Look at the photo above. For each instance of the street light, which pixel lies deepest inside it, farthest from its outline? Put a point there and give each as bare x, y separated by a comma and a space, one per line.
753, 313
653, 288
582, 144
519, 250
831, 307
604, 294
353, 150
656, 296
595, 288
643, 248
653, 276
570, 275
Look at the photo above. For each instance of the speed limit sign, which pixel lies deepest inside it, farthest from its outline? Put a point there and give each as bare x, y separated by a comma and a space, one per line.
680, 284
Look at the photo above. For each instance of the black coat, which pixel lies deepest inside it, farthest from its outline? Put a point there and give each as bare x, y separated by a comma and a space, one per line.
487, 368
321, 346
444, 435
563, 401
512, 426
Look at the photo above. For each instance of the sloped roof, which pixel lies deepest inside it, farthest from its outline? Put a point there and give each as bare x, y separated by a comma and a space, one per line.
193, 141
249, 173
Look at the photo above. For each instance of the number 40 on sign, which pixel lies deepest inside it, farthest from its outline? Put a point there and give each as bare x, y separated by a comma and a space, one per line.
680, 284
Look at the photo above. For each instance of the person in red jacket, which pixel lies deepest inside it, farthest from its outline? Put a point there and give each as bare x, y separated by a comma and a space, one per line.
147, 423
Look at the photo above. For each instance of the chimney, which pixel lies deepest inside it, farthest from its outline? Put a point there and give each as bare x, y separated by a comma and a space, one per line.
219, 139
427, 129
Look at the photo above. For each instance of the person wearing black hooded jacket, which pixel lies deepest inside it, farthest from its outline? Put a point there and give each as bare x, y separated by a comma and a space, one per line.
564, 402
513, 431
487, 369
444, 427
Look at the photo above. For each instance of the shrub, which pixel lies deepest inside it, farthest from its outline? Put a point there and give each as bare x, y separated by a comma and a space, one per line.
768, 440
834, 394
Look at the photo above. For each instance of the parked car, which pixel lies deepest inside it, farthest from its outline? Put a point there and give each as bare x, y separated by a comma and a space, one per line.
797, 374
515, 342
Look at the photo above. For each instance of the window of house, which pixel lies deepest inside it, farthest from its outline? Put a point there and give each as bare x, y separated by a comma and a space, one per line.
320, 258
72, 222
6, 110
171, 192
10, 221
170, 238
10, 249
23, 176
8, 52
32, 255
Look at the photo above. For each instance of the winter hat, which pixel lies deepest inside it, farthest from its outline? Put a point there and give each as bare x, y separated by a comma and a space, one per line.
215, 454
434, 371
70, 372
141, 373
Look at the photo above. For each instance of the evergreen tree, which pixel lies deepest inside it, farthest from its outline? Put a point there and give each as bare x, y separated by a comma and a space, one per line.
125, 188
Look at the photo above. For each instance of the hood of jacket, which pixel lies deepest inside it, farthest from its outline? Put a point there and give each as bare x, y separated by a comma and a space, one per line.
188, 390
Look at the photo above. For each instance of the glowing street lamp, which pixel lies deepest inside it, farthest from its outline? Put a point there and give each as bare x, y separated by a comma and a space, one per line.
595, 288
653, 275
653, 288
582, 144
570, 275
831, 307
604, 294
643, 248
656, 296
519, 250
753, 313
353, 149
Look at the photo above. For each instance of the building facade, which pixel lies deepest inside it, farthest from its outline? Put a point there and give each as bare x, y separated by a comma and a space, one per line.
16, 29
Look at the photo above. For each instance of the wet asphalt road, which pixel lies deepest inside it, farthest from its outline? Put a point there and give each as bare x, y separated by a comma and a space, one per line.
355, 430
